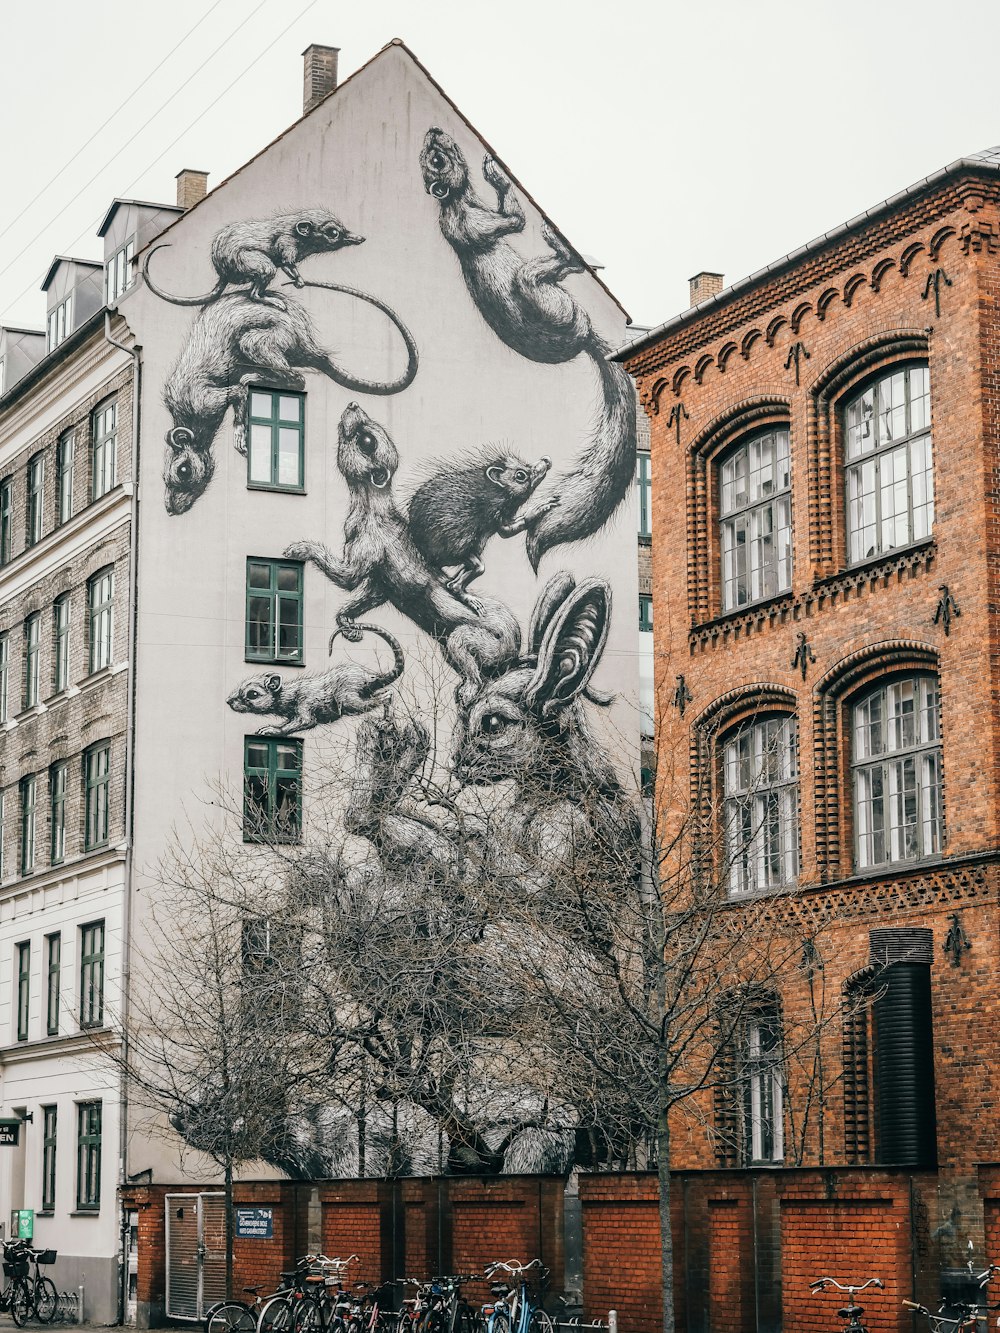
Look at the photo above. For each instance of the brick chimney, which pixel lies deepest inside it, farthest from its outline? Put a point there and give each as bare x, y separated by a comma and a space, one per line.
703, 285
191, 186
319, 74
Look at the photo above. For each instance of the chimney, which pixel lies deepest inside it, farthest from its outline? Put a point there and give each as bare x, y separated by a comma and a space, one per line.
319, 74
191, 186
703, 285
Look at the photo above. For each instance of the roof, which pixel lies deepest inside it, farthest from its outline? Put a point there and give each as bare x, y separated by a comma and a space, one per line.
67, 259
987, 160
136, 203
34, 333
398, 42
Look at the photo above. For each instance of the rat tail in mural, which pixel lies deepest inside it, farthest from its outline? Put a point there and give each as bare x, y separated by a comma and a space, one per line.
601, 475
390, 677
213, 295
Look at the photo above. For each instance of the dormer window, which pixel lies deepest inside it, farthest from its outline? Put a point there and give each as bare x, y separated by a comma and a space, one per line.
118, 275
60, 322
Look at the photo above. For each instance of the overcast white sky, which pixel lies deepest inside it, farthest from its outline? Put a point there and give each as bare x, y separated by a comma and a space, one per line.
663, 138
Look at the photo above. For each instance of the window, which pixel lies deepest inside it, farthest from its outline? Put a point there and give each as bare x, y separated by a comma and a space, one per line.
764, 1087
88, 1156
32, 641
36, 500
49, 1121
100, 606
645, 613
644, 495
60, 323
96, 773
92, 975
53, 948
118, 275
277, 440
274, 611
760, 805
888, 468
27, 789
6, 507
104, 425
57, 812
60, 643
4, 676
897, 772
23, 988
64, 476
272, 799
755, 520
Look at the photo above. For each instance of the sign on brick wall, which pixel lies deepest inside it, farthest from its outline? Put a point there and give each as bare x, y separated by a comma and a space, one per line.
256, 1223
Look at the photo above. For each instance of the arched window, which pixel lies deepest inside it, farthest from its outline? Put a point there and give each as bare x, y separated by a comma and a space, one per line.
897, 772
755, 520
888, 470
760, 805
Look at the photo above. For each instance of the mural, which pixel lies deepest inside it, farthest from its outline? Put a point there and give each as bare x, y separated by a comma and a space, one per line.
521, 702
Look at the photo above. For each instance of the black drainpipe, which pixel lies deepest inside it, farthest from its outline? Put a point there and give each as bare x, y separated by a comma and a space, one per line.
904, 1048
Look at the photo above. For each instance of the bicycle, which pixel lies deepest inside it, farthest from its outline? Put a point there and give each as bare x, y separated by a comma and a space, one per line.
16, 1295
445, 1308
327, 1309
366, 1315
44, 1296
852, 1312
514, 1311
267, 1314
970, 1318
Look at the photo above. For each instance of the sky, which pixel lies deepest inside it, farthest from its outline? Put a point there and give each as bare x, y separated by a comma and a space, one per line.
662, 138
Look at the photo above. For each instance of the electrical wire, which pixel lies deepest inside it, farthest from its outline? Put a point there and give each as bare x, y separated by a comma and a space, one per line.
104, 124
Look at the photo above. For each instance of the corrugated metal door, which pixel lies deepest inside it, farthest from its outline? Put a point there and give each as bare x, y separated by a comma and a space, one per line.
196, 1253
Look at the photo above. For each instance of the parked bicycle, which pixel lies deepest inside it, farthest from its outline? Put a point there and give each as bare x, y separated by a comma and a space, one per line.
445, 1309
273, 1313
515, 1308
970, 1317
44, 1296
16, 1295
325, 1304
852, 1312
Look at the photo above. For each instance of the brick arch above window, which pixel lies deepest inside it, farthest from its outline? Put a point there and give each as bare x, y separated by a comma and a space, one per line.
740, 419
833, 692
823, 452
730, 710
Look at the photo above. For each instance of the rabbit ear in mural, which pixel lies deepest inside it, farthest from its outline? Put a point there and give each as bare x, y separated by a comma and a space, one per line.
525, 304
240, 338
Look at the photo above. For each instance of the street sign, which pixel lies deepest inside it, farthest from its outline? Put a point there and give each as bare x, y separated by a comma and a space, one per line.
9, 1133
256, 1223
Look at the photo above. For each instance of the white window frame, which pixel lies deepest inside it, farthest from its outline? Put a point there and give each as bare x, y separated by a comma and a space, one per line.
755, 519
760, 803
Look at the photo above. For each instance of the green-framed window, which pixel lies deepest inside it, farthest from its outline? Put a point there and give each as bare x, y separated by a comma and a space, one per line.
50, 1120
272, 792
100, 611
60, 643
274, 611
23, 957
4, 676
35, 510
32, 646
6, 519
53, 979
92, 974
645, 613
88, 1156
276, 457
96, 779
28, 795
104, 435
65, 450
644, 495
57, 812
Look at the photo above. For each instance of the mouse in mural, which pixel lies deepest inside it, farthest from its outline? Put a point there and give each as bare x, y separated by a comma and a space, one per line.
235, 342
347, 689
455, 512
525, 304
253, 251
381, 563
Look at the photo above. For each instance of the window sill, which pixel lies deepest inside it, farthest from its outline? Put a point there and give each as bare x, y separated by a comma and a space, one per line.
45, 1212
277, 490
273, 661
86, 1212
873, 564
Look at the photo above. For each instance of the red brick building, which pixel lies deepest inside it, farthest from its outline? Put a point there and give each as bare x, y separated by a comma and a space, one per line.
826, 553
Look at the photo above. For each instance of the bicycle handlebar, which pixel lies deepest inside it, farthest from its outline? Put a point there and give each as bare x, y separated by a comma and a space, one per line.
821, 1283
514, 1267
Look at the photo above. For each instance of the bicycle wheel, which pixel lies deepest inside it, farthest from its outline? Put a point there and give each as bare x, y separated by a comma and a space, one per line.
540, 1322
276, 1315
46, 1299
308, 1316
499, 1322
231, 1317
20, 1302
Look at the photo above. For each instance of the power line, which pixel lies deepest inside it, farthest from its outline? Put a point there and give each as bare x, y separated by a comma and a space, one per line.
144, 126
104, 124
